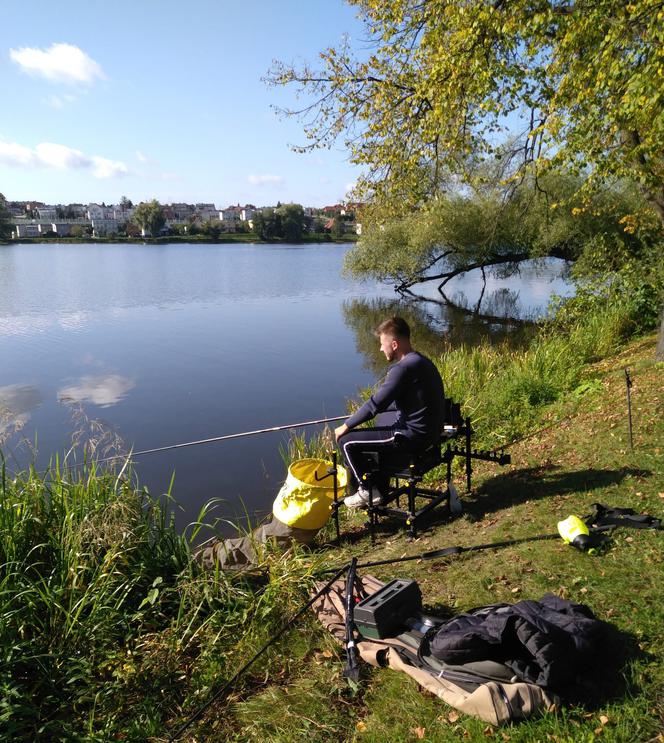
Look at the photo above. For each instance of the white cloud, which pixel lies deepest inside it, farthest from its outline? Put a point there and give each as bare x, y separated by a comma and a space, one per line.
265, 179
350, 187
60, 63
16, 404
12, 153
104, 168
103, 390
60, 157
141, 157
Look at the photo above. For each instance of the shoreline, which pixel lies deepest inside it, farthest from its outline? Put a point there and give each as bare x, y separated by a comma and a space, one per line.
228, 239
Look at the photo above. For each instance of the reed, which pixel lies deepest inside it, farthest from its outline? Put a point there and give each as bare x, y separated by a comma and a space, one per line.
106, 625
503, 389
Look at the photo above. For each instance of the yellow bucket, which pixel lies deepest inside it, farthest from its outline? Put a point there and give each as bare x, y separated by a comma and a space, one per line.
304, 501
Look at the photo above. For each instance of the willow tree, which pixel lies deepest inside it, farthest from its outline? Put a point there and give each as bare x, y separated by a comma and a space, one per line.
439, 84
149, 216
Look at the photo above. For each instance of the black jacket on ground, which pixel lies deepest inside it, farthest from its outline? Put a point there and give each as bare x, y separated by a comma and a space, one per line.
550, 642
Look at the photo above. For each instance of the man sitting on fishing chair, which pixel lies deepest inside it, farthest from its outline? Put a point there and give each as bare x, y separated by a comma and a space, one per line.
410, 409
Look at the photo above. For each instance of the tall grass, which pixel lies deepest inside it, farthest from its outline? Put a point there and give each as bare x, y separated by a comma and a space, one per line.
106, 625
503, 389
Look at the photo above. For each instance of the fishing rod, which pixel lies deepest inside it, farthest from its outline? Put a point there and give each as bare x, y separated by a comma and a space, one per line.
229, 685
303, 424
447, 552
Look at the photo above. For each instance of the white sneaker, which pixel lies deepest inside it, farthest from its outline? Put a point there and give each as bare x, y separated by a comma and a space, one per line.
360, 499
456, 506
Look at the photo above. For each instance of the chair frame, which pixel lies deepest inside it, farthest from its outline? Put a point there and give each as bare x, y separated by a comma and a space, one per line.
408, 479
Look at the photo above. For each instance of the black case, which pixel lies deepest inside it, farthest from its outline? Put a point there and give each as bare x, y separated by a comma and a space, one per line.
384, 613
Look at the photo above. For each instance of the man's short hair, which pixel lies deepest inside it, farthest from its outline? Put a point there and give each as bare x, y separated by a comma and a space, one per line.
397, 327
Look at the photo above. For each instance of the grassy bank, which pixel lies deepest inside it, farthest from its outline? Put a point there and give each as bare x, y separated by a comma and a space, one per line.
108, 631
557, 472
106, 626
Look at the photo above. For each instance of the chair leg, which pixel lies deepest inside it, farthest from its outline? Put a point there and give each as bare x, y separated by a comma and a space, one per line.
412, 490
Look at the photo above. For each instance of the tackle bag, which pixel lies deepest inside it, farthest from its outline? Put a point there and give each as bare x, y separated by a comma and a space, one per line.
487, 690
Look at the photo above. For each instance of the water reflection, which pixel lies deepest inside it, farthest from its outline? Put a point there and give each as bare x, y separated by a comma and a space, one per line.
17, 401
103, 390
435, 325
500, 305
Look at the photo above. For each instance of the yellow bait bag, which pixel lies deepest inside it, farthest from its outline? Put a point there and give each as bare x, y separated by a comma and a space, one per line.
305, 501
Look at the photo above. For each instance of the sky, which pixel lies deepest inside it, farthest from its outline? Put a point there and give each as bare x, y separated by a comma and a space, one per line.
162, 99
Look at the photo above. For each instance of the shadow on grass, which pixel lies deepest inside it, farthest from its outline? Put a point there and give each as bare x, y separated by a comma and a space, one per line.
502, 492
536, 483
607, 678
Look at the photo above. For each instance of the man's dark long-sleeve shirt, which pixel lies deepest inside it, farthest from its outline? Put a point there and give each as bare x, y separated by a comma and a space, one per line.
414, 387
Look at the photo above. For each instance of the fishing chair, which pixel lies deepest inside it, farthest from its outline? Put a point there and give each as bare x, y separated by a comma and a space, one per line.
407, 472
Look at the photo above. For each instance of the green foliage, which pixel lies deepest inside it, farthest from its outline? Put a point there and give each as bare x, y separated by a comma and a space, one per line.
292, 221
441, 82
504, 390
338, 228
635, 290
149, 216
267, 224
77, 230
494, 225
286, 222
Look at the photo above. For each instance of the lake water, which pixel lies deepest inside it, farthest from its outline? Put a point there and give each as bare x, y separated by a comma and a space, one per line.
159, 344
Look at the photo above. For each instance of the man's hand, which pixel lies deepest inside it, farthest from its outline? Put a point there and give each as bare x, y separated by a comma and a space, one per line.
340, 431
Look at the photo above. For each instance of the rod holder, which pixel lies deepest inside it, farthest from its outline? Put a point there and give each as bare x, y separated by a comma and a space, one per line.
628, 386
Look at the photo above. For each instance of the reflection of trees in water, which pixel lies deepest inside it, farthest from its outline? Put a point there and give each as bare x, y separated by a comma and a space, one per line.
499, 305
435, 325
364, 315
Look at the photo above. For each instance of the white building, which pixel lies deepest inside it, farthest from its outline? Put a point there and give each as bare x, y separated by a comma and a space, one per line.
123, 215
103, 227
95, 211
46, 212
27, 229
231, 214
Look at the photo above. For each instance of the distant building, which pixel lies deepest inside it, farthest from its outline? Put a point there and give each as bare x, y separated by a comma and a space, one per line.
231, 214
123, 214
207, 212
61, 229
103, 227
247, 213
94, 211
182, 212
28, 229
16, 209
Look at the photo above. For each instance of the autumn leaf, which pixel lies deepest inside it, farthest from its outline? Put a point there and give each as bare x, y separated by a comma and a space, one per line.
419, 732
